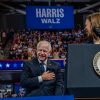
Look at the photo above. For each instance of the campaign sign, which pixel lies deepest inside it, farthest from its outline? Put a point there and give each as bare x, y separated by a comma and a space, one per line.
49, 17
42, 98
18, 64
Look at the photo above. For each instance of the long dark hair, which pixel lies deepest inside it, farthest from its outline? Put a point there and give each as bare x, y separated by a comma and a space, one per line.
95, 22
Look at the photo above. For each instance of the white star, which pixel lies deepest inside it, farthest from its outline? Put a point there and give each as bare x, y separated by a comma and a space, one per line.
22, 65
7, 65
0, 65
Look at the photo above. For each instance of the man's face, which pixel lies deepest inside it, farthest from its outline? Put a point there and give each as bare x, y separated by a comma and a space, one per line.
43, 52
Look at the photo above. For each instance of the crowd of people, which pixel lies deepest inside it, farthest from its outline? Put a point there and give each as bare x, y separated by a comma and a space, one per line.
23, 43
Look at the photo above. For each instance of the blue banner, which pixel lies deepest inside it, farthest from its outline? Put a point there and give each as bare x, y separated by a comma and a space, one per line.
11, 64
42, 98
18, 64
49, 17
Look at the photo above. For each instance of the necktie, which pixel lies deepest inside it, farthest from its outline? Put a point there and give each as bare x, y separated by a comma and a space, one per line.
42, 67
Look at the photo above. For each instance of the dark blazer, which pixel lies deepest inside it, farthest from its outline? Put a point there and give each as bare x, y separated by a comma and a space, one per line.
29, 79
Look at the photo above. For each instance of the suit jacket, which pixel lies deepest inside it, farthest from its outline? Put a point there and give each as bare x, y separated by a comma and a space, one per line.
29, 79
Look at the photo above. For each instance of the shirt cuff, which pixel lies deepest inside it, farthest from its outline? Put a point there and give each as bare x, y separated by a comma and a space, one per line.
40, 78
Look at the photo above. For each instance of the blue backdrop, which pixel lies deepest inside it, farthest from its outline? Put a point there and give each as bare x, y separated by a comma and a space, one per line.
42, 98
49, 17
18, 64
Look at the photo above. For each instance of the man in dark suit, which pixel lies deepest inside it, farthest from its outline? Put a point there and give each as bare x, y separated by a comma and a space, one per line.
41, 76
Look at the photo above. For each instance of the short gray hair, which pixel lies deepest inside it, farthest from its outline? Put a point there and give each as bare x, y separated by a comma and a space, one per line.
44, 42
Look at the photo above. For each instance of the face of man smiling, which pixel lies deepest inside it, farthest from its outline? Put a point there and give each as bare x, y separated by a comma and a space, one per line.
43, 52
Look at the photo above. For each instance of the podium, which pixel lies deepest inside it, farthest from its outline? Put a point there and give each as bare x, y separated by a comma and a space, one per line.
81, 80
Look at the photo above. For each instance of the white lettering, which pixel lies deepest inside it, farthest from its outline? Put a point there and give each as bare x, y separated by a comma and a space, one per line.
44, 21
61, 12
58, 20
44, 14
58, 14
53, 13
38, 12
50, 21
50, 13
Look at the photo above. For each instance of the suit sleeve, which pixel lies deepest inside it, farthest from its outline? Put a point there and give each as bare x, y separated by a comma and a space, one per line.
27, 80
59, 82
